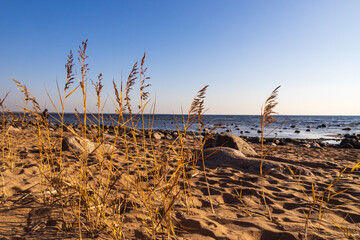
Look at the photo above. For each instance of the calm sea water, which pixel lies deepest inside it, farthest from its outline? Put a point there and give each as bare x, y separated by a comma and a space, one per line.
250, 124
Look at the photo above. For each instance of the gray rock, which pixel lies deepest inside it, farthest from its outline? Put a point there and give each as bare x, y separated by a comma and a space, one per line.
81, 145
231, 141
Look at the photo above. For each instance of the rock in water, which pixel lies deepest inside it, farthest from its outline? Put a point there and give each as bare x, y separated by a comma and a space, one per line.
231, 141
78, 145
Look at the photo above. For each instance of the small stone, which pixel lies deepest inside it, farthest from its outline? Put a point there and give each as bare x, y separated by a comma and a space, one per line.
157, 135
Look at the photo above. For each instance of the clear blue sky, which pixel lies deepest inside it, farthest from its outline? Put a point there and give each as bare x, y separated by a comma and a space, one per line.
242, 49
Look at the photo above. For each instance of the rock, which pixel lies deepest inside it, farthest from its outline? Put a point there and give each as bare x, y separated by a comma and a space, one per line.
346, 145
231, 141
350, 143
315, 145
347, 129
13, 129
157, 135
169, 137
271, 144
306, 145
229, 157
224, 156
78, 145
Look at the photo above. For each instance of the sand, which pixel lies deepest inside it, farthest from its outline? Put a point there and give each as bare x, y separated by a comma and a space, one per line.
27, 211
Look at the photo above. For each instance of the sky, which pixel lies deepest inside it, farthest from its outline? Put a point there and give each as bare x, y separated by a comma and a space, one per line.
241, 49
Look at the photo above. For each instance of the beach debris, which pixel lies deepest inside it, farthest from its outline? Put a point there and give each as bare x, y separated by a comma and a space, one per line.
231, 141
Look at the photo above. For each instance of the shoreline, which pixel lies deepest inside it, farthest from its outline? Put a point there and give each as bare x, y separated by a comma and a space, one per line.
334, 140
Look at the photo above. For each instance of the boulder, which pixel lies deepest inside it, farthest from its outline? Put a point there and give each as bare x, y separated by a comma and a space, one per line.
80, 146
229, 157
352, 142
231, 141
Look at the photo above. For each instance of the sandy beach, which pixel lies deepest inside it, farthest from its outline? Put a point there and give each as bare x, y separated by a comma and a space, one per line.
40, 194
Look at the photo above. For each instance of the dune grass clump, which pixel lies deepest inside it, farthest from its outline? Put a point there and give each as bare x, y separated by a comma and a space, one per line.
118, 167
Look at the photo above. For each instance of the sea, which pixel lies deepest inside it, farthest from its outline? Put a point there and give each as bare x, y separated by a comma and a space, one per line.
285, 126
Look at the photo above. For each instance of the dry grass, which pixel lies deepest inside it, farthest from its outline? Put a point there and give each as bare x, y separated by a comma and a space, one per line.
99, 190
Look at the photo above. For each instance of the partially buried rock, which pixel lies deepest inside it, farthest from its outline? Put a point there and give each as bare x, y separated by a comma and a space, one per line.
81, 145
231, 141
229, 157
